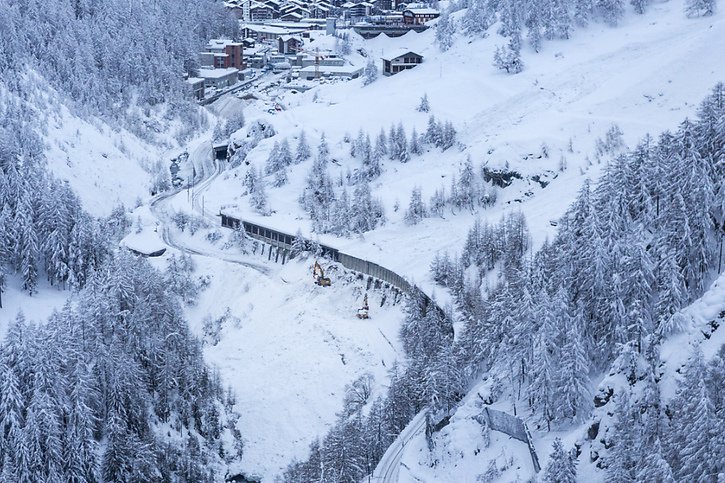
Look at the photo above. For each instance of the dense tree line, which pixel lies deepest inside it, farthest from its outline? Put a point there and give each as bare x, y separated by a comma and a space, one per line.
468, 191
338, 211
110, 57
604, 293
112, 388
629, 253
44, 232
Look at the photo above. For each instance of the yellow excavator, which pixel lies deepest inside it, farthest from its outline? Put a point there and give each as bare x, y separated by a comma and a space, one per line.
364, 311
318, 274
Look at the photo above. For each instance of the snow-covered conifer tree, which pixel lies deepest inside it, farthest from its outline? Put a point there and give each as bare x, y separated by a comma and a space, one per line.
370, 73
424, 105
303, 149
445, 28
416, 208
561, 467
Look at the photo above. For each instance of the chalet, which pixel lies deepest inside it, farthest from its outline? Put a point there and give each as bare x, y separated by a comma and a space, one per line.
288, 44
384, 5
358, 10
219, 78
261, 12
400, 60
320, 10
419, 16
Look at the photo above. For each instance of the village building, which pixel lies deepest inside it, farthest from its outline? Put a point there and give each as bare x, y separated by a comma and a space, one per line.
196, 86
222, 54
359, 10
419, 16
219, 78
268, 33
400, 60
344, 71
288, 44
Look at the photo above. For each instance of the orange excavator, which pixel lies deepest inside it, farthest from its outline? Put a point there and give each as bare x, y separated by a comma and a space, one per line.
318, 274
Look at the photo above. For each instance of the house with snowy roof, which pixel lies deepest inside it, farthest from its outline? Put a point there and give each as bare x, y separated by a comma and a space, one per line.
400, 60
289, 44
419, 16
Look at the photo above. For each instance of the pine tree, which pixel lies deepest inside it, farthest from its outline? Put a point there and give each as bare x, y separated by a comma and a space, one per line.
574, 395
561, 467
274, 163
402, 154
478, 18
28, 251
623, 459
416, 209
424, 105
370, 74
611, 11
654, 467
448, 135
415, 147
444, 30
639, 5
285, 154
303, 149
433, 133
534, 23
544, 368
258, 198
692, 432
583, 11
340, 221
556, 19
381, 145
508, 58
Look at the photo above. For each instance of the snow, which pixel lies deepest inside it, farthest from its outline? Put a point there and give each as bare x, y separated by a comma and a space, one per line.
146, 237
646, 76
296, 345
676, 350
394, 54
104, 167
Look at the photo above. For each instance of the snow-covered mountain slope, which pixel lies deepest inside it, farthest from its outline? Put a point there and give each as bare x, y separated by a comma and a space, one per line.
646, 76
288, 350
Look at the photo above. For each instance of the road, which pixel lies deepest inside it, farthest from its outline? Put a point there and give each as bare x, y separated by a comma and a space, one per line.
388, 470
207, 169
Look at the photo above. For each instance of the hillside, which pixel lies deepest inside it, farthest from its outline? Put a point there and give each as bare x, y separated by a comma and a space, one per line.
283, 365
645, 76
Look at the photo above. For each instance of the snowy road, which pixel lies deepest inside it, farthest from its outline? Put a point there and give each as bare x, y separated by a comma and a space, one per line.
207, 169
388, 469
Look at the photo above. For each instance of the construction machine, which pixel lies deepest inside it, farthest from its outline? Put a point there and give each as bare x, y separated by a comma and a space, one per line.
364, 311
318, 274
